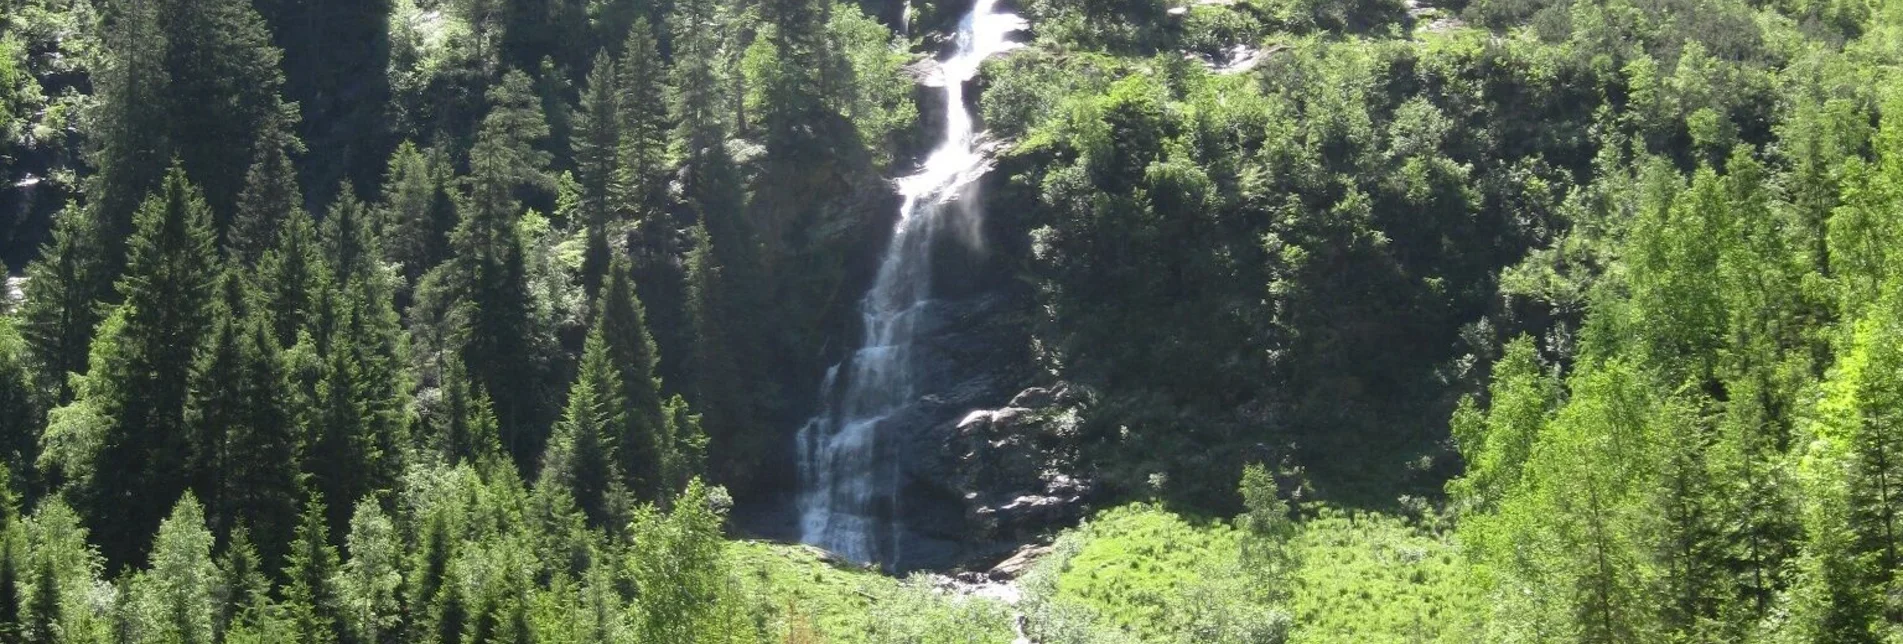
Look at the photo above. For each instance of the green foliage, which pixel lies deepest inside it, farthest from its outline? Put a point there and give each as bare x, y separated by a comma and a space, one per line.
243, 437
140, 373
174, 599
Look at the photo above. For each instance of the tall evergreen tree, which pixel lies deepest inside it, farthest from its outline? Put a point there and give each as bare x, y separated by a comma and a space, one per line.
131, 147
696, 103
596, 164
291, 277
63, 303
643, 439
243, 588
269, 199
580, 457
501, 338
311, 597
465, 429
417, 211
178, 591
140, 384
716, 368
20, 419
223, 105
241, 424
642, 126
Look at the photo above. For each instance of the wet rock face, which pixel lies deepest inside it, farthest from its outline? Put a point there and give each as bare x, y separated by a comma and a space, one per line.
993, 478
982, 463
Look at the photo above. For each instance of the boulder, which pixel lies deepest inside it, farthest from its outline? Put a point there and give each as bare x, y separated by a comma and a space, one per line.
1018, 563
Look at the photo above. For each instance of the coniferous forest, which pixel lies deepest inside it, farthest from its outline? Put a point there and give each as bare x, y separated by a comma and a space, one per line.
1257, 321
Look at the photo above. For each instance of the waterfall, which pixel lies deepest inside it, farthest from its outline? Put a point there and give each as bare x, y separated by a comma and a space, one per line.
848, 496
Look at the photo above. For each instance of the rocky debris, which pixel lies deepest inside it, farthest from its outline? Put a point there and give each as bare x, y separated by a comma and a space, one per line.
1010, 466
1018, 563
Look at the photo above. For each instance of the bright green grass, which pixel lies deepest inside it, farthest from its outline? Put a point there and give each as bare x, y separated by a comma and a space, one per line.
1371, 578
1138, 564
1363, 577
809, 600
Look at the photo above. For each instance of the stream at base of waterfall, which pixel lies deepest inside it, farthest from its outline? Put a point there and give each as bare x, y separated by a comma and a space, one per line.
848, 494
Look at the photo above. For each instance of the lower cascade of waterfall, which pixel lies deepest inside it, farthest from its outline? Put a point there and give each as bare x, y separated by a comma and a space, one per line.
848, 497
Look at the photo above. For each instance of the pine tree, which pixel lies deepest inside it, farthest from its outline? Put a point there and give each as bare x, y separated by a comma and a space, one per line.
716, 376
722, 261
795, 96
465, 431
20, 418
131, 147
64, 290
1860, 411
580, 457
349, 243
1497, 444
142, 385
43, 605
498, 326
243, 587
270, 197
223, 103
338, 451
642, 126
311, 597
687, 452
430, 580
178, 591
291, 278
696, 104
1691, 549
418, 211
642, 440
596, 165
242, 426
12, 557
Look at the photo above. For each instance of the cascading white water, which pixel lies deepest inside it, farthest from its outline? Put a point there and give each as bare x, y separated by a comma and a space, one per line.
845, 505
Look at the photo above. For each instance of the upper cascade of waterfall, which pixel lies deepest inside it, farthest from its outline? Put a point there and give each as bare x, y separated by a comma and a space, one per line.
959, 159
848, 500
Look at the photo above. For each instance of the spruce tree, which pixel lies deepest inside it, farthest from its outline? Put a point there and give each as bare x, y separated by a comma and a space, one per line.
642, 439
179, 589
417, 211
242, 426
269, 199
291, 277
596, 164
348, 239
223, 103
643, 127
580, 457
142, 385
243, 588
696, 104
20, 418
716, 375
64, 290
501, 339
129, 134
311, 597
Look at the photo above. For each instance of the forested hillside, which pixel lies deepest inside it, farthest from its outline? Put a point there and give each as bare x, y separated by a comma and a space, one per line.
472, 321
